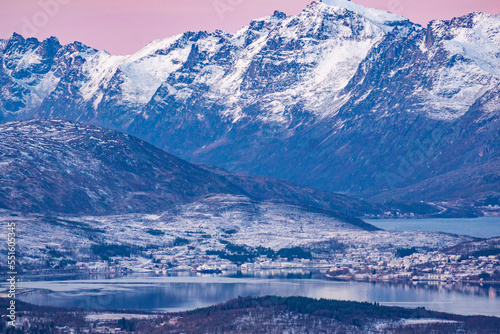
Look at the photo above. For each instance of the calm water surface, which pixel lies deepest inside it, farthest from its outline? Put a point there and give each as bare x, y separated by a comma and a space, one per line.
484, 227
174, 293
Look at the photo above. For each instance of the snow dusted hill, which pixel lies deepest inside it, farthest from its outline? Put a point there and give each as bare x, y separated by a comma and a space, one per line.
64, 167
61, 167
339, 97
182, 235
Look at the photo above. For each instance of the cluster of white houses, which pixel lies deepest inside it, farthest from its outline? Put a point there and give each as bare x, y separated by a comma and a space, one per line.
430, 266
351, 264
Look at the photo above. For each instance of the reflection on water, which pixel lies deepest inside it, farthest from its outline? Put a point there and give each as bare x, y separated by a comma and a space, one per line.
183, 291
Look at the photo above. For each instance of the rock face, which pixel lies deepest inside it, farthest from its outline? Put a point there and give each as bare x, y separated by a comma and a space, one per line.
340, 97
53, 166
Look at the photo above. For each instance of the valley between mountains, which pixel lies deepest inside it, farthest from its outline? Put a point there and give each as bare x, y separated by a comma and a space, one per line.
92, 200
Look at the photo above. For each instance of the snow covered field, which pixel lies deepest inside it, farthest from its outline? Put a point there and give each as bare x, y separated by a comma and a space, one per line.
181, 237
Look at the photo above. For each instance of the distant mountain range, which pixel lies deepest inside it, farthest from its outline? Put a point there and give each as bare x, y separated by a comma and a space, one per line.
340, 97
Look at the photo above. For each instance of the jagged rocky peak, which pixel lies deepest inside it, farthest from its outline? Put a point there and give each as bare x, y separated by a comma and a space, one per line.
379, 17
280, 15
472, 20
472, 28
19, 43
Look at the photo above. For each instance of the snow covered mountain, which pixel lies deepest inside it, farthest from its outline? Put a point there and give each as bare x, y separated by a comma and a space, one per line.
339, 97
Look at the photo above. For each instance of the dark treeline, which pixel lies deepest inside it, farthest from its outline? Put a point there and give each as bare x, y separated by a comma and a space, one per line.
241, 253
268, 315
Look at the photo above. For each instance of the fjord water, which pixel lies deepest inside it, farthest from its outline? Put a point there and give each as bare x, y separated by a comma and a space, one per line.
184, 291
483, 227
175, 293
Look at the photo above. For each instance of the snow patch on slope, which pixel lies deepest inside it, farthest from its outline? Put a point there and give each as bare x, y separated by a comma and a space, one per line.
142, 73
377, 16
328, 57
474, 65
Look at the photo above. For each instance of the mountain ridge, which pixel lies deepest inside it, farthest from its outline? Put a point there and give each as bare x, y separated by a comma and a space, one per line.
327, 98
60, 167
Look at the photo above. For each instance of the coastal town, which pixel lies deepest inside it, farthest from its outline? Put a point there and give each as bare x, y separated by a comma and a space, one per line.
431, 266
205, 238
353, 264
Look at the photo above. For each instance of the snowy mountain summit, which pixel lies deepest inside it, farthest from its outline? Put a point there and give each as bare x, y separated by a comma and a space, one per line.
340, 97
376, 16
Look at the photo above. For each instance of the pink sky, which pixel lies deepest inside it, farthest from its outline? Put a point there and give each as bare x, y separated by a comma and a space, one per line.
125, 26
